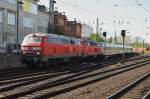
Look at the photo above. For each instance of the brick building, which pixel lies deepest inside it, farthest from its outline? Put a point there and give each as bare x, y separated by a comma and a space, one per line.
68, 28
73, 29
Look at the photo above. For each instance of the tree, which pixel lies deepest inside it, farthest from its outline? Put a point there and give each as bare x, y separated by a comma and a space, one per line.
96, 38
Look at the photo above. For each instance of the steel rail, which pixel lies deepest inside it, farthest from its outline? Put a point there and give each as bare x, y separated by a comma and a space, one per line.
128, 87
147, 96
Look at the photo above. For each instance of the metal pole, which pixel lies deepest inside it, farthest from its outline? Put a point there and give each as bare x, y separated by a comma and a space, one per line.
115, 32
105, 46
51, 16
105, 34
53, 13
123, 50
115, 37
123, 33
17, 39
97, 29
143, 46
49, 22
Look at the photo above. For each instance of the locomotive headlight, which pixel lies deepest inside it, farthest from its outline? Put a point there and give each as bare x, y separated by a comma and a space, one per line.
38, 53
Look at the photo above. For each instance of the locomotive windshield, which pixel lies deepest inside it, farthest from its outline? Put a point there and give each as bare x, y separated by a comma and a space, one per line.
32, 39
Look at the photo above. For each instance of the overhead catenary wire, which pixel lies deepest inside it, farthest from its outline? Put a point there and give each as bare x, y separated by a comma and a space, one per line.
84, 10
141, 5
76, 12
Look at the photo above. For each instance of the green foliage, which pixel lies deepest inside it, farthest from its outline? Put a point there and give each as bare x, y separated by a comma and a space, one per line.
140, 45
96, 38
137, 45
92, 37
147, 52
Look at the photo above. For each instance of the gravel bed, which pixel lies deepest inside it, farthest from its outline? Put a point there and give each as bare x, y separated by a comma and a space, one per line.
138, 91
105, 87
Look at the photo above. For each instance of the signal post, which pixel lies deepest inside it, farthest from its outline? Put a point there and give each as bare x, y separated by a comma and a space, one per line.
123, 34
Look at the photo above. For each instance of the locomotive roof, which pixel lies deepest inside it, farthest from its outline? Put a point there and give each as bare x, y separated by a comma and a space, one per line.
53, 35
77, 40
56, 37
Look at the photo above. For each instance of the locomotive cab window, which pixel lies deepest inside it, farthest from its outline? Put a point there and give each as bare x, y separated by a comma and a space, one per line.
32, 39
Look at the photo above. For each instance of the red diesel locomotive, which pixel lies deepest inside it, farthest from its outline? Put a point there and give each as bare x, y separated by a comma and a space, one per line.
50, 48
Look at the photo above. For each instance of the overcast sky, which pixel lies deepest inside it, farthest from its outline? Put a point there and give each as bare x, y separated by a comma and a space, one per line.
132, 15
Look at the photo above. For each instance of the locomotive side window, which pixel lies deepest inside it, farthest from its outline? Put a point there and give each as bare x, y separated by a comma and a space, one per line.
50, 39
72, 42
64, 41
57, 40
91, 43
77, 42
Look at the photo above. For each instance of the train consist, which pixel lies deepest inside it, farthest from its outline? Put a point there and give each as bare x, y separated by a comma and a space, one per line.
50, 48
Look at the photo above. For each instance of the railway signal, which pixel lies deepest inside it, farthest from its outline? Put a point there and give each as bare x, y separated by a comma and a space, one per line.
143, 46
123, 34
105, 34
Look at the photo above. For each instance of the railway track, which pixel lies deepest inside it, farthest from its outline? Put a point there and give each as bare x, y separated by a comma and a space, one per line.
54, 84
139, 89
24, 72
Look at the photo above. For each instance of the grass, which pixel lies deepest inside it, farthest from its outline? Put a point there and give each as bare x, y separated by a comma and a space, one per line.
147, 52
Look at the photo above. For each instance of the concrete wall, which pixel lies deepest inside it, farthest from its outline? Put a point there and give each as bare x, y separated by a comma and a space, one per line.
8, 61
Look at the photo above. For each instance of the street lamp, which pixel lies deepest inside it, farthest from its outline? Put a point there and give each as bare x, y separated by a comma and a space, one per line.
19, 2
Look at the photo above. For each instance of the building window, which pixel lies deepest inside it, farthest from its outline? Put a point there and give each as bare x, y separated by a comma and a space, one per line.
11, 19
28, 22
12, 1
41, 29
30, 7
1, 17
